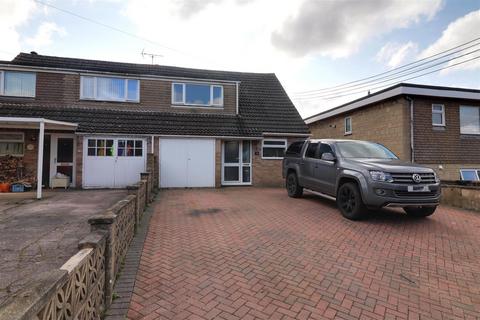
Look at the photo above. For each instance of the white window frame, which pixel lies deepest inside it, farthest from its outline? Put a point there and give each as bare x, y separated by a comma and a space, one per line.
282, 143
22, 140
470, 169
460, 119
95, 98
442, 112
2, 84
345, 125
184, 92
240, 164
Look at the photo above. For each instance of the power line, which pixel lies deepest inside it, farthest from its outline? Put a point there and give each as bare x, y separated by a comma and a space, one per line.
367, 86
388, 77
392, 83
389, 71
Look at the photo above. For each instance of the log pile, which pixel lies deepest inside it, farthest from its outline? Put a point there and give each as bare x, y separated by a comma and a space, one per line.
12, 170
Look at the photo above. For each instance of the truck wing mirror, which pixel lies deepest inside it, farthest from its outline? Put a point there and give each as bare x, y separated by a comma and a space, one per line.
327, 156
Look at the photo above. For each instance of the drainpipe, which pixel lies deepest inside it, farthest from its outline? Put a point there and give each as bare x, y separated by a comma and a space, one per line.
41, 135
412, 146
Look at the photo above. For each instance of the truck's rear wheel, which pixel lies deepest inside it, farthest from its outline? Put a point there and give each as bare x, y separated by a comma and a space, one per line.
293, 188
349, 201
420, 212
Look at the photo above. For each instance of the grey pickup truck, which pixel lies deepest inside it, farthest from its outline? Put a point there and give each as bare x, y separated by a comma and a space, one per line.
360, 175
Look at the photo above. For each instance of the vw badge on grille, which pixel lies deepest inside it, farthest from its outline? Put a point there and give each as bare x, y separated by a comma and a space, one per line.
416, 178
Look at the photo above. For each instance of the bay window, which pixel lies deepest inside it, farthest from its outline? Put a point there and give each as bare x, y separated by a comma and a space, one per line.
109, 89
469, 120
17, 84
196, 94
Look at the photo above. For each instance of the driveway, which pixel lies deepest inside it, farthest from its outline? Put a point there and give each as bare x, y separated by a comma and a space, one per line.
245, 253
39, 235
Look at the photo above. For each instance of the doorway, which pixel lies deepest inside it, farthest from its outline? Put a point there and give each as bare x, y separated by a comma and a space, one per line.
62, 156
237, 162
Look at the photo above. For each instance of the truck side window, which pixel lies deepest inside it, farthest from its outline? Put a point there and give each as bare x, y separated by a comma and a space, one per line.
325, 148
311, 150
295, 149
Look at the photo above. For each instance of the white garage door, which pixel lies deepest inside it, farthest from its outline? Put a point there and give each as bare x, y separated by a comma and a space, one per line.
187, 163
112, 162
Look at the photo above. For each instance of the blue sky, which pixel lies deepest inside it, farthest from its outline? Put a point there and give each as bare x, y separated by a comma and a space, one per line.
309, 44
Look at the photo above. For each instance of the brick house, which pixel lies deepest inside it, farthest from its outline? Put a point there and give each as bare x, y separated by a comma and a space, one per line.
98, 120
435, 126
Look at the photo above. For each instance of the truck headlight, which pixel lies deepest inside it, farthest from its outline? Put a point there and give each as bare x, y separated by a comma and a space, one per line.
381, 176
437, 179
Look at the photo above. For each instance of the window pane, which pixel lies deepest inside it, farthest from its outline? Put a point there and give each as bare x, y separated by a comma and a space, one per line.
88, 87
100, 143
311, 150
218, 95
138, 152
91, 151
324, 148
273, 152
197, 94
65, 150
110, 88
246, 174
469, 175
437, 118
231, 174
121, 152
138, 143
437, 108
20, 84
273, 143
91, 143
178, 93
11, 148
132, 93
246, 152
231, 151
348, 124
11, 137
470, 120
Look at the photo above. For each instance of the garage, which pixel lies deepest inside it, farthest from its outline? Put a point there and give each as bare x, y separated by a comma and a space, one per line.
187, 163
112, 162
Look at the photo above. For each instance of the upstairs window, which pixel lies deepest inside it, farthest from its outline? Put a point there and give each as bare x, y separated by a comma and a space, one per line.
348, 125
273, 148
109, 89
469, 120
196, 94
17, 84
438, 115
11, 144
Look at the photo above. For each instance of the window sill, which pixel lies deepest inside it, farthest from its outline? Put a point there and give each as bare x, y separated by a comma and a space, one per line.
272, 158
194, 106
110, 101
347, 134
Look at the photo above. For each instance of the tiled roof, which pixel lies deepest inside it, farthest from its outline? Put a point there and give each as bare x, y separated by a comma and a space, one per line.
264, 105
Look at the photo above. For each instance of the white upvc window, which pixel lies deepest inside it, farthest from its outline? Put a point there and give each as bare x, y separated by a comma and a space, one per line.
438, 115
348, 125
18, 83
109, 89
12, 144
470, 174
273, 148
197, 94
469, 120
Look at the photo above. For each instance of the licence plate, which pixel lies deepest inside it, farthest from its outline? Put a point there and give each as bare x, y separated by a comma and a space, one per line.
418, 189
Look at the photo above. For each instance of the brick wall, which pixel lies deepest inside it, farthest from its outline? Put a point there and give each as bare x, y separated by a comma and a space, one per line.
386, 123
64, 89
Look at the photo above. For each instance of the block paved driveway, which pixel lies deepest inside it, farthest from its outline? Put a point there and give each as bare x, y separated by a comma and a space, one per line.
245, 253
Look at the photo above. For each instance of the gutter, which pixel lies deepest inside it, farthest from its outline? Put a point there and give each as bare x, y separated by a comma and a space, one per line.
412, 144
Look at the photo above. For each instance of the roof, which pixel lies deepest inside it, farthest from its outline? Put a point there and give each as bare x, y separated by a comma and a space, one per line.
409, 89
264, 106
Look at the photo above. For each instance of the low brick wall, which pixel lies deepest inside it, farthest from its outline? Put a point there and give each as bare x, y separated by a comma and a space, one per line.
461, 196
83, 287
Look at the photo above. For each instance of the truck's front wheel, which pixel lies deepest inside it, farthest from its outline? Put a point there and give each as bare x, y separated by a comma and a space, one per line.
293, 188
349, 201
420, 212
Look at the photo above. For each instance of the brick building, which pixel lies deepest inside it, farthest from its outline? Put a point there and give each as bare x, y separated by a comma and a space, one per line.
95, 121
435, 126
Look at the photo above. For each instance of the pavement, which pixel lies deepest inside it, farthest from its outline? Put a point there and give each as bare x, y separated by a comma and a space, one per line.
40, 235
252, 253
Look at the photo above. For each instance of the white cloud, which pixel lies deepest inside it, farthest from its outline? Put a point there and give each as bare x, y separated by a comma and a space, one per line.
394, 54
44, 35
14, 13
339, 28
462, 30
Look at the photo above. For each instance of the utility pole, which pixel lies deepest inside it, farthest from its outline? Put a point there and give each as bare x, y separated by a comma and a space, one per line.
151, 55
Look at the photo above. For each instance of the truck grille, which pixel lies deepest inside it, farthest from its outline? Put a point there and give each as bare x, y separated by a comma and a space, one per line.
407, 178
406, 194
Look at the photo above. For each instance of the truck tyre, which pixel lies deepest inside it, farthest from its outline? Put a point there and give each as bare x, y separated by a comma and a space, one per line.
420, 212
349, 201
293, 188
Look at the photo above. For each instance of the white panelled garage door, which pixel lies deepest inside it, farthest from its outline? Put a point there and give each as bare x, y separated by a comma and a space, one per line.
187, 163
112, 162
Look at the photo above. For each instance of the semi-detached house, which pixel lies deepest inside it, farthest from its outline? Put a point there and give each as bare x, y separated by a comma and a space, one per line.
96, 121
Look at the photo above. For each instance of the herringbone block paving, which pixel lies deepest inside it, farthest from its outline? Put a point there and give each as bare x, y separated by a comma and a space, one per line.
252, 253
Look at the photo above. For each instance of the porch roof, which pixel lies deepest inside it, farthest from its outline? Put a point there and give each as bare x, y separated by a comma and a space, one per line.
33, 123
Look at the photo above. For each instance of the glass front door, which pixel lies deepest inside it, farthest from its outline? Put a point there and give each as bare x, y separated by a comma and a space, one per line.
62, 157
237, 162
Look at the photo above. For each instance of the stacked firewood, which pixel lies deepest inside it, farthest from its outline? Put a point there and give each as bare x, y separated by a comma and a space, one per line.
12, 170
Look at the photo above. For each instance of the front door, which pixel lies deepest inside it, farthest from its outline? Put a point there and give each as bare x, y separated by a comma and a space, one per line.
237, 162
62, 156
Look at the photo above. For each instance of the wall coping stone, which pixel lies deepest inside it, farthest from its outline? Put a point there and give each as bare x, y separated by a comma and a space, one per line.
93, 240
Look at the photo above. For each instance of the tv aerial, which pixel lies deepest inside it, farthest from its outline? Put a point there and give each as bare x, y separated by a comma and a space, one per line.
151, 55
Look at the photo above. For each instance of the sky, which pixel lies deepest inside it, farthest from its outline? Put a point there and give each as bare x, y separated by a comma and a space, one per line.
309, 44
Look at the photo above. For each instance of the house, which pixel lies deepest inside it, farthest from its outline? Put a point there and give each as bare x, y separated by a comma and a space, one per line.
96, 121
435, 126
